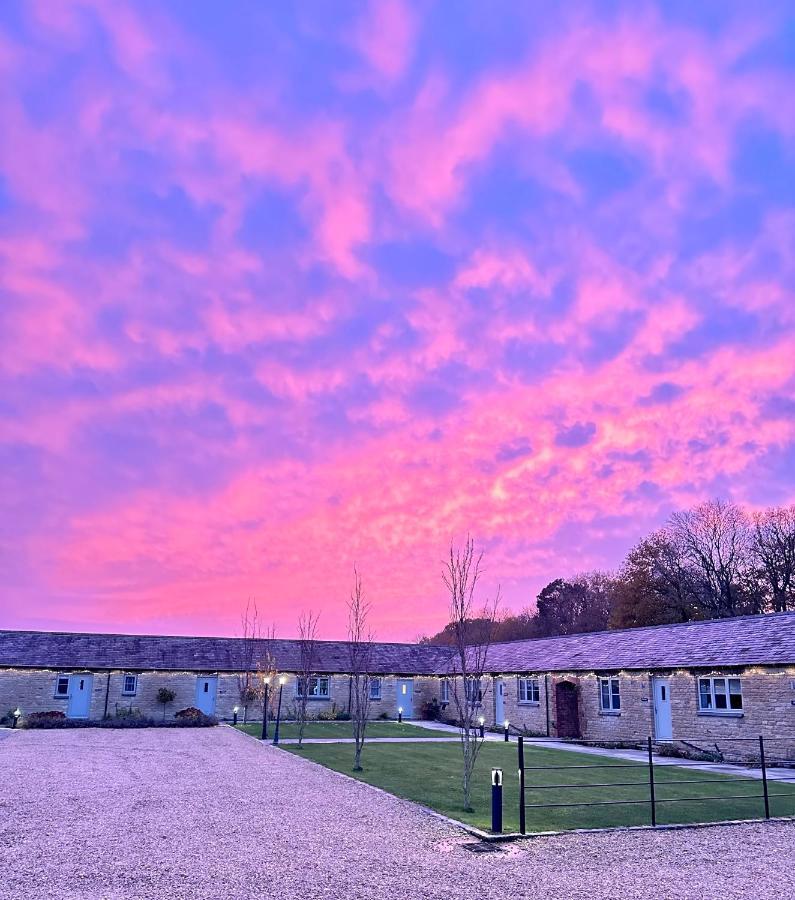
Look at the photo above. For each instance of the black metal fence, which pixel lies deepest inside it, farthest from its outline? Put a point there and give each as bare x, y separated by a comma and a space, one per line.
650, 784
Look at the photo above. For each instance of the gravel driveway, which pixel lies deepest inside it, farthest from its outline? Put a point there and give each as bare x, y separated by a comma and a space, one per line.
211, 813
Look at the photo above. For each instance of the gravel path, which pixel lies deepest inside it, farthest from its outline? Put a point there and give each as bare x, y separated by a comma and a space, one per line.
210, 813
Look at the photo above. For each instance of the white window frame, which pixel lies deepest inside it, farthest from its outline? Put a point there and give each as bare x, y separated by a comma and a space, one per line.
612, 702
374, 688
528, 690
315, 682
720, 687
63, 695
444, 691
125, 692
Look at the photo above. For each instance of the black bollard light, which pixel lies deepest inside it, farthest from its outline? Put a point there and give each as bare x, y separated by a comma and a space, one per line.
266, 680
400, 714
482, 725
496, 801
16, 714
282, 679
506, 725
234, 714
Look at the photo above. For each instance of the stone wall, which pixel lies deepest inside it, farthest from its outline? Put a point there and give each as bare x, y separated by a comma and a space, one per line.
34, 691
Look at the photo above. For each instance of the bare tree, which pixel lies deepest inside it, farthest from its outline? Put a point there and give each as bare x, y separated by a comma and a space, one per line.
266, 670
307, 641
470, 648
773, 547
360, 652
714, 537
246, 679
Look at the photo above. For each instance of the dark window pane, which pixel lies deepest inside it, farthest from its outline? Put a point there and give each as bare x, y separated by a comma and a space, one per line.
736, 701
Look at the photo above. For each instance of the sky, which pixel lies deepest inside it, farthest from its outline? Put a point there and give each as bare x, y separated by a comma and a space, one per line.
288, 287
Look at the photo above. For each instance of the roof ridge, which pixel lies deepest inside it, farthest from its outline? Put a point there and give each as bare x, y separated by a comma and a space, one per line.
200, 637
640, 628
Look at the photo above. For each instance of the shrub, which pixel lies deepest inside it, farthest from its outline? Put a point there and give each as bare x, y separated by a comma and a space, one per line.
384, 715
431, 710
49, 719
200, 721
248, 695
190, 712
8, 718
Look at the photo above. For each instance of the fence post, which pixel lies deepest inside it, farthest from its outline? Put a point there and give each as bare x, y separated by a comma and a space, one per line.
522, 823
651, 786
764, 776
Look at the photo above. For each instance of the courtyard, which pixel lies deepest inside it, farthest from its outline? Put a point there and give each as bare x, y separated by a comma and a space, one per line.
211, 813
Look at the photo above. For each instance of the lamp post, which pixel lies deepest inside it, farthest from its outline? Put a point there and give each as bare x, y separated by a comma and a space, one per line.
234, 714
16, 714
505, 725
266, 680
282, 679
400, 714
496, 801
482, 725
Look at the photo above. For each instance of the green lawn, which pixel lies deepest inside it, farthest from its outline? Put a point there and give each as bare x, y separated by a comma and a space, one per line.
342, 730
431, 774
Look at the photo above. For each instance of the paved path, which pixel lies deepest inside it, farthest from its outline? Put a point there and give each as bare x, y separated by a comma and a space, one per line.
639, 756
214, 814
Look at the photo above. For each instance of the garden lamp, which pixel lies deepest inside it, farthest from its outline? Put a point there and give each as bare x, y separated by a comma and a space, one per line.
282, 680
266, 680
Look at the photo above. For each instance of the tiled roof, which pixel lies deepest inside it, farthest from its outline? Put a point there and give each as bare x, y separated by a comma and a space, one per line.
204, 654
741, 641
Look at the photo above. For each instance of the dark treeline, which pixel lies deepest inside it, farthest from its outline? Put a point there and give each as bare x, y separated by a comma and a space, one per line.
709, 562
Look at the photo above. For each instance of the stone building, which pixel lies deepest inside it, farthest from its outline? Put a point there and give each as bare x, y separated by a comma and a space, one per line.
699, 683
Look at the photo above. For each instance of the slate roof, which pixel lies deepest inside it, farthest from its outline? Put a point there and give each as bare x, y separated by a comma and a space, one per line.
62, 650
741, 641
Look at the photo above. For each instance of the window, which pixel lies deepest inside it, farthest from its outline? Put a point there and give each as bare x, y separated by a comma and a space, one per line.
528, 690
130, 685
609, 694
473, 691
318, 688
62, 686
375, 688
720, 695
444, 691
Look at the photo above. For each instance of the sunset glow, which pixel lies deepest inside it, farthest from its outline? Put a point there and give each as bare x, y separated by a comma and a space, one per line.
285, 288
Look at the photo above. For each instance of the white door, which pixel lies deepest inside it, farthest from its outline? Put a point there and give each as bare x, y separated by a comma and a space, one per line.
79, 696
405, 697
206, 687
499, 701
663, 728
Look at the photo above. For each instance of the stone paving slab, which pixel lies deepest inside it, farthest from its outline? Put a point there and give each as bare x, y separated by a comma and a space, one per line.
214, 814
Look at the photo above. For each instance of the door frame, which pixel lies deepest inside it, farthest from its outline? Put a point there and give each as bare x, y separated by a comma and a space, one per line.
499, 701
408, 706
655, 681
214, 680
570, 690
88, 678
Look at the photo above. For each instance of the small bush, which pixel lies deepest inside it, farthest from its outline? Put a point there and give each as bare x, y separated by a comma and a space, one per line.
431, 711
49, 719
201, 721
384, 716
8, 718
190, 712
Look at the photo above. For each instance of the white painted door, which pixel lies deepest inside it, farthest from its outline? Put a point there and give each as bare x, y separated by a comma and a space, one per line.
405, 697
79, 696
206, 687
663, 728
499, 701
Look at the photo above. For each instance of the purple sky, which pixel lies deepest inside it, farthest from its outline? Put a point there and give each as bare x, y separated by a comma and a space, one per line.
285, 286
